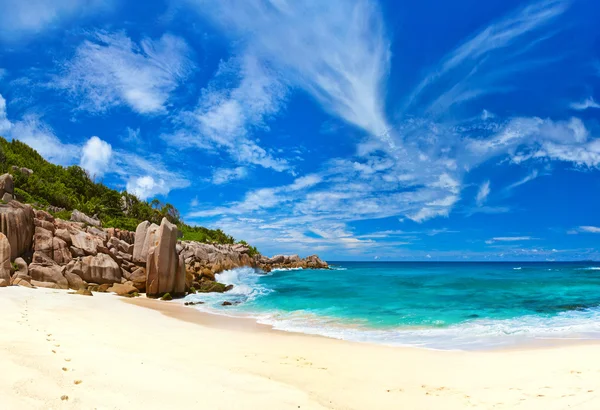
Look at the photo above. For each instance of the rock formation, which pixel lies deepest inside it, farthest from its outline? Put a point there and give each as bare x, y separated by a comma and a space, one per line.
77, 216
6, 187
16, 222
5, 266
165, 270
81, 255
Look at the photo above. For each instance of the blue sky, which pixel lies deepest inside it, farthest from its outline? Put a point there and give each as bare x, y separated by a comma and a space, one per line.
358, 130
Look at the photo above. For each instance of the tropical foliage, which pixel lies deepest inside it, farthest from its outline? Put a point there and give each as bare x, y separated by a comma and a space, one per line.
63, 189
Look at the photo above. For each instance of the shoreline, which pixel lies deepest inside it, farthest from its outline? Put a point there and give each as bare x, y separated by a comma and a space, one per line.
250, 324
105, 352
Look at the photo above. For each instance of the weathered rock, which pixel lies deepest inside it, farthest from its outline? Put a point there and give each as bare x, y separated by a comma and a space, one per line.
85, 242
48, 274
49, 226
5, 267
50, 285
7, 197
74, 280
61, 253
76, 252
6, 184
21, 268
208, 286
145, 235
120, 245
77, 216
4, 283
44, 216
138, 278
84, 292
64, 235
22, 282
92, 230
165, 269
42, 241
226, 303
122, 289
16, 222
100, 269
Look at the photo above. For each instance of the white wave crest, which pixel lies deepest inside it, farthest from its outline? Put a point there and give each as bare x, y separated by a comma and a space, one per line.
474, 335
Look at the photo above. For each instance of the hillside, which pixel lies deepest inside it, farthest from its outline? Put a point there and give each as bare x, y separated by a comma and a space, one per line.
60, 190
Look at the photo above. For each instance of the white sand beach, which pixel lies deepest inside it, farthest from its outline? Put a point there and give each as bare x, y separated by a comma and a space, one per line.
107, 352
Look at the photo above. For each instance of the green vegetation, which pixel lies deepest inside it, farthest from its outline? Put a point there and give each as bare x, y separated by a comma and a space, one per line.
63, 189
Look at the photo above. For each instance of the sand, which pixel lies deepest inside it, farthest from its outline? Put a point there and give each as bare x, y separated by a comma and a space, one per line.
107, 352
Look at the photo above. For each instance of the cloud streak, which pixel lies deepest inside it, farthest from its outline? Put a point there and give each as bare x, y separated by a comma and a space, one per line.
110, 70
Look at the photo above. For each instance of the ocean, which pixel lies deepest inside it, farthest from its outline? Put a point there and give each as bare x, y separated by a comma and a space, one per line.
450, 306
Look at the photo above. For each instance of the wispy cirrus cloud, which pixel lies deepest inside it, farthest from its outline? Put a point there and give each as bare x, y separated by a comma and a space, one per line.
32, 17
482, 193
530, 177
585, 104
110, 70
337, 51
474, 68
584, 229
225, 175
226, 117
509, 239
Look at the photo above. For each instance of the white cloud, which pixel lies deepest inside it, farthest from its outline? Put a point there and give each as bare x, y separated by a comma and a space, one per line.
482, 193
226, 117
95, 156
589, 229
22, 18
472, 69
3, 73
34, 132
111, 70
585, 104
335, 50
146, 175
5, 124
225, 175
509, 239
530, 177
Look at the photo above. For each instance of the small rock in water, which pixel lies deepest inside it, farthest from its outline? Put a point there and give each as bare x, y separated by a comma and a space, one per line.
226, 303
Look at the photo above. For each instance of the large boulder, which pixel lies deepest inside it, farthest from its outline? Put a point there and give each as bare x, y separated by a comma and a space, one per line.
145, 236
60, 251
6, 185
16, 222
48, 274
122, 289
5, 267
75, 281
101, 269
138, 277
42, 241
165, 269
77, 216
85, 242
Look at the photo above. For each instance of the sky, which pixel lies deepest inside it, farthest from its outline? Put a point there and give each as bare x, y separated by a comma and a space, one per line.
357, 130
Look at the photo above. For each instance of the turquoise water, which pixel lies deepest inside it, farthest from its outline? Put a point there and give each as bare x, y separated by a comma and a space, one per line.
435, 305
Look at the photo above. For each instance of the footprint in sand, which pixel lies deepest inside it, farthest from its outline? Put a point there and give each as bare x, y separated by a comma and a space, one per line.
78, 381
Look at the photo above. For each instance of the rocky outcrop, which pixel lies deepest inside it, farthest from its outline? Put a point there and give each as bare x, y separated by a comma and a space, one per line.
16, 222
80, 254
77, 216
6, 187
100, 269
5, 267
47, 273
164, 268
145, 236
